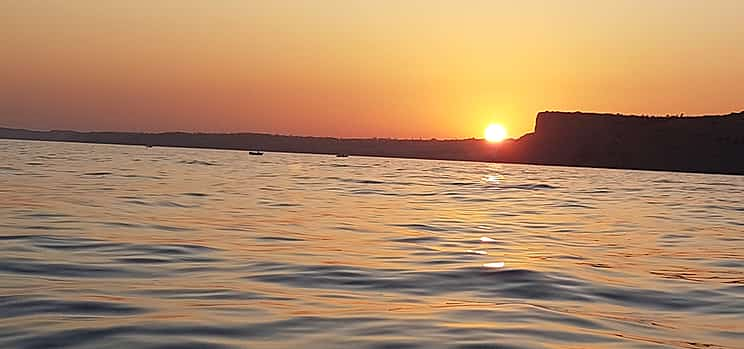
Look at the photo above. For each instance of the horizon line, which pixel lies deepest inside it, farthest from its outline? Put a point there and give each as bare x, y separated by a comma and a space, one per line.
585, 113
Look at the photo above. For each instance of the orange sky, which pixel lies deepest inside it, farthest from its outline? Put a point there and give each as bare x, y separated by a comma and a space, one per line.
403, 68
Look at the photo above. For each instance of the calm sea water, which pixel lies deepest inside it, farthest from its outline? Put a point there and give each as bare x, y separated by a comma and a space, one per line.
131, 247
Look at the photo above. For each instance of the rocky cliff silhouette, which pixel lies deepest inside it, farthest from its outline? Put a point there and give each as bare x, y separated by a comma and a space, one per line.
695, 144
710, 144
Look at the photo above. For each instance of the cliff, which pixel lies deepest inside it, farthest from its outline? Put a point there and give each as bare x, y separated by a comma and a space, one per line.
711, 144
696, 144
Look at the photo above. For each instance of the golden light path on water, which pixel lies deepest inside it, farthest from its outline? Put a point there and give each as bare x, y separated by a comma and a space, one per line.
119, 246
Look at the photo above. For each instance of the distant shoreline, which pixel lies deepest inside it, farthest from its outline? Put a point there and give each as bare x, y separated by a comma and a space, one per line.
705, 144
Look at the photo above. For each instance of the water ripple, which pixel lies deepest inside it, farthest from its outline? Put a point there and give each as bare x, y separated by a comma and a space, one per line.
129, 247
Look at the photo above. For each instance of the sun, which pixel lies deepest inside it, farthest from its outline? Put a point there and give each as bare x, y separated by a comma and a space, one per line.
495, 133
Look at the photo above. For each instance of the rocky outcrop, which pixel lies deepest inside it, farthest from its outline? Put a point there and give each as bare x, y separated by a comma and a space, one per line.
696, 144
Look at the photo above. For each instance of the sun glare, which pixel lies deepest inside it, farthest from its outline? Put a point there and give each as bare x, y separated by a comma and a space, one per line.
495, 133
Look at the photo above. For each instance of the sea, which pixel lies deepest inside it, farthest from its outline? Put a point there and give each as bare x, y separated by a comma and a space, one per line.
112, 246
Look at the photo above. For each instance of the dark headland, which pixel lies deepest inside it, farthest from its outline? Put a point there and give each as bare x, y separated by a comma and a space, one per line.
708, 144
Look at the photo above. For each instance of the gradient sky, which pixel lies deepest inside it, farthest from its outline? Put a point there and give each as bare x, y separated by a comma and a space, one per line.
354, 68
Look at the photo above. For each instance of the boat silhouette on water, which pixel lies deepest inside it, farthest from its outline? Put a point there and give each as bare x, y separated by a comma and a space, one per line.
255, 152
342, 155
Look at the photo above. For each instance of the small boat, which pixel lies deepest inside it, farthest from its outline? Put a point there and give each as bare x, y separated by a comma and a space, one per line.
253, 152
342, 155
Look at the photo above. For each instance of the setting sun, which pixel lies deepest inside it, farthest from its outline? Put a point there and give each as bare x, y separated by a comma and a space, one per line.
495, 133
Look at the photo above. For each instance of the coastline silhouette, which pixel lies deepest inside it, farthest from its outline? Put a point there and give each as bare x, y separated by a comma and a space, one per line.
708, 144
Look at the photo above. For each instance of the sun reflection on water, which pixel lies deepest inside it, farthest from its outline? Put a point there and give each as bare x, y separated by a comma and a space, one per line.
215, 247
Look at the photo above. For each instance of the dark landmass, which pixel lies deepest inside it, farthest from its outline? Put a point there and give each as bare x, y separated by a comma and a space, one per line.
709, 144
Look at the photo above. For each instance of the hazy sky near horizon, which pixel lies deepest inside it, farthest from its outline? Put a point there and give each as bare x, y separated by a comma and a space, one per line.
356, 68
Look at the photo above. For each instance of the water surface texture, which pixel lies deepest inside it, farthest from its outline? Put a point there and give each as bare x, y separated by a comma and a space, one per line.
131, 247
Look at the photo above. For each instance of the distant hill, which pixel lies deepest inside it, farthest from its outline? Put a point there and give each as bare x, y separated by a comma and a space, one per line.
710, 144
